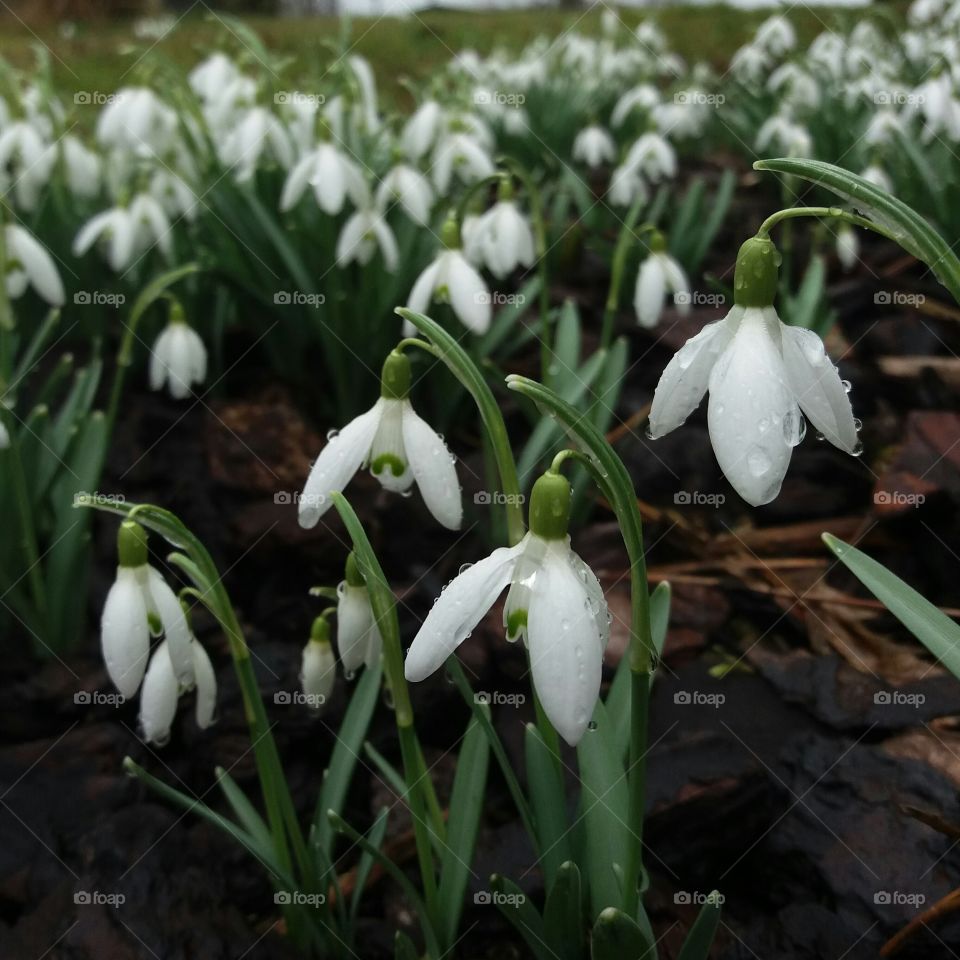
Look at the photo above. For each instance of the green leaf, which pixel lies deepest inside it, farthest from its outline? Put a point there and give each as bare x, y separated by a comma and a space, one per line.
403, 948
466, 807
604, 806
346, 753
616, 937
375, 835
243, 809
563, 914
548, 801
895, 218
515, 905
704, 929
933, 628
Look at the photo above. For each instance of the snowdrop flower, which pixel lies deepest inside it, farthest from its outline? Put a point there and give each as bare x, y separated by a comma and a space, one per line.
646, 97
626, 186
257, 133
136, 121
451, 279
594, 146
368, 92
332, 175
4, 436
785, 135
939, 106
501, 238
25, 163
173, 194
555, 604
460, 153
358, 637
411, 189
130, 231
178, 358
884, 127
659, 274
162, 689
801, 88
212, 76
422, 129
653, 157
776, 35
140, 603
760, 374
399, 447
749, 64
318, 669
848, 247
29, 264
363, 233
82, 168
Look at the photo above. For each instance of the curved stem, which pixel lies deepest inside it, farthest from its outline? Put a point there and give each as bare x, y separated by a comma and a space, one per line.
445, 348
837, 213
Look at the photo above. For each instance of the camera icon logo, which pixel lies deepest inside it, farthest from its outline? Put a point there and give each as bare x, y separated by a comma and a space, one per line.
282, 298
482, 897
682, 697
283, 698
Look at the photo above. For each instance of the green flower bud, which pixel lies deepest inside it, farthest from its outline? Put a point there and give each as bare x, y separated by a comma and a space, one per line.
550, 507
352, 572
395, 378
757, 273
131, 544
658, 242
320, 631
450, 234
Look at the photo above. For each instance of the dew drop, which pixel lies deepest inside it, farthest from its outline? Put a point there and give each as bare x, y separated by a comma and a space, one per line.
465, 567
592, 725
847, 386
758, 462
333, 434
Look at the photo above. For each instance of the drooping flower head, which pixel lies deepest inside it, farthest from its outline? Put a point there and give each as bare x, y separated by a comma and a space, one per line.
659, 274
760, 373
399, 447
178, 358
318, 669
358, 637
555, 605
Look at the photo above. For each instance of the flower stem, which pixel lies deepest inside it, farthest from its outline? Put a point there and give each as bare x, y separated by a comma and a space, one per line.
624, 240
835, 212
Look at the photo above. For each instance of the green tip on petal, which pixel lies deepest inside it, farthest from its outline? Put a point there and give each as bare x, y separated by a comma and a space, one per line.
352, 573
757, 274
395, 377
387, 460
131, 544
550, 507
516, 622
320, 631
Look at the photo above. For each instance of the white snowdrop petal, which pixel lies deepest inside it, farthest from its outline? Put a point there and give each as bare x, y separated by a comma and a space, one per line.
37, 264
458, 610
175, 627
206, 686
338, 461
124, 633
433, 468
684, 380
753, 417
357, 631
566, 653
468, 295
818, 388
318, 673
158, 699
422, 292
648, 296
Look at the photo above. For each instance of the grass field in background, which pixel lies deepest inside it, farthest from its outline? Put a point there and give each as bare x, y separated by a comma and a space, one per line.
104, 55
